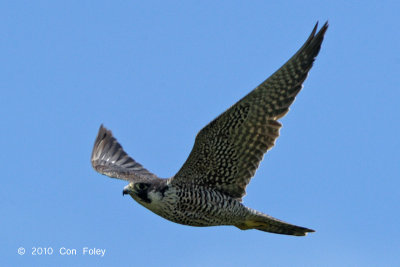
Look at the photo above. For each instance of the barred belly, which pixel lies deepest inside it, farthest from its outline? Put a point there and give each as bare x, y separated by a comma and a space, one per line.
200, 206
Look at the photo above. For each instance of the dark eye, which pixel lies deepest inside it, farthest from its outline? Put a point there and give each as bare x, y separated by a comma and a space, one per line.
141, 186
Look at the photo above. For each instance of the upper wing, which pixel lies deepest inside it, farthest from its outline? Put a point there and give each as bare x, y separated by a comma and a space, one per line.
229, 149
110, 159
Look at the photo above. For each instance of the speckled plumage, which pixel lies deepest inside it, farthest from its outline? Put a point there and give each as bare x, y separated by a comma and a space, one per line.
208, 189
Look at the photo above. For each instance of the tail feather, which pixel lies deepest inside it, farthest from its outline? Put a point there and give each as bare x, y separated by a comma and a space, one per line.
267, 223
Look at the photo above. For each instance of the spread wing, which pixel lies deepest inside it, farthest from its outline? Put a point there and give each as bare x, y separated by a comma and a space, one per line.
110, 159
228, 150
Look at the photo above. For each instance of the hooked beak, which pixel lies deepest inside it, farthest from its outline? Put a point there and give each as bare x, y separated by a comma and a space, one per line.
126, 190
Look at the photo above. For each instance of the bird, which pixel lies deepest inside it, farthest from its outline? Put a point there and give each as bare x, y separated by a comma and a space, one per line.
209, 187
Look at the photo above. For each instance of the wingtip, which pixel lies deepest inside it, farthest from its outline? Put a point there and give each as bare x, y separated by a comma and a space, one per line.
316, 35
315, 29
102, 128
323, 28
101, 135
326, 24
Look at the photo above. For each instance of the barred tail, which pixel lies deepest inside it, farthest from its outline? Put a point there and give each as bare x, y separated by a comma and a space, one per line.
267, 223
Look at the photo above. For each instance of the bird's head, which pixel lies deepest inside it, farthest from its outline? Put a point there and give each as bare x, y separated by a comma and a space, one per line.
138, 190
145, 192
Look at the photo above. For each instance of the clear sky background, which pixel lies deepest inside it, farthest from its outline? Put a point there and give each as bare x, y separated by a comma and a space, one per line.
155, 73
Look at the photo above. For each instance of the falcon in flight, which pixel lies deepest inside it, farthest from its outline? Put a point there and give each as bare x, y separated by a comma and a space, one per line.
209, 187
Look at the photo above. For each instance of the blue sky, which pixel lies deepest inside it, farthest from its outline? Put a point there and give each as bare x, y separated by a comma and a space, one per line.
156, 72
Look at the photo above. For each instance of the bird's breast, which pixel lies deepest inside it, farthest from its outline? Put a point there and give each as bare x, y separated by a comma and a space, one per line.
194, 205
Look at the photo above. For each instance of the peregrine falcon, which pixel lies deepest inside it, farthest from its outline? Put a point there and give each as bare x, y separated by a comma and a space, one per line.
209, 187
